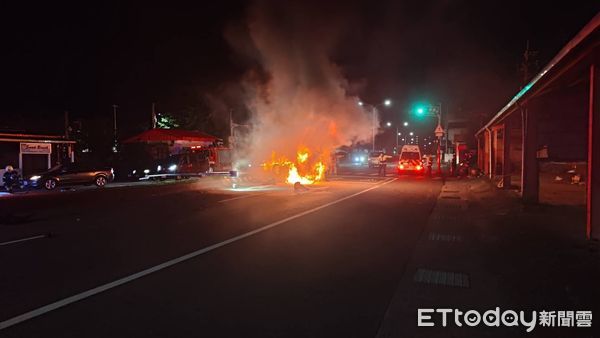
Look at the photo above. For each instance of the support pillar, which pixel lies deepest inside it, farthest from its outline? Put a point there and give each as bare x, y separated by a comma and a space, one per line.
506, 164
479, 152
593, 177
489, 152
530, 179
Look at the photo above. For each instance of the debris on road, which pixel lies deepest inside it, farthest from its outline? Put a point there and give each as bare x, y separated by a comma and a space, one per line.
298, 187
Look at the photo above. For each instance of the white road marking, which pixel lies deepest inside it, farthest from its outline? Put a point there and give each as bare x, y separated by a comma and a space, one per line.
89, 293
239, 197
23, 239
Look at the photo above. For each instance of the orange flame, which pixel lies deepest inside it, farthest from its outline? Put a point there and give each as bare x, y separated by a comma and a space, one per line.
302, 170
302, 157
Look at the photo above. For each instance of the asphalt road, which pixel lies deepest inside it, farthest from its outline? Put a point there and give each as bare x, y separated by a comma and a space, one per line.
265, 261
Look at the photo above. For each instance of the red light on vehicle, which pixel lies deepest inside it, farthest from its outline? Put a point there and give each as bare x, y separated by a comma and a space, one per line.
419, 167
402, 166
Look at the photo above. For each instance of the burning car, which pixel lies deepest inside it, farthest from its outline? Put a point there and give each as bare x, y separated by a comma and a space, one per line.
306, 168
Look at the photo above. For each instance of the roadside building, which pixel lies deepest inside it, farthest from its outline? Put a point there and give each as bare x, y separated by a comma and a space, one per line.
457, 140
549, 132
30, 153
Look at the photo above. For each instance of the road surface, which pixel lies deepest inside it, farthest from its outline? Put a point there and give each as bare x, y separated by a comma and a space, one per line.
262, 261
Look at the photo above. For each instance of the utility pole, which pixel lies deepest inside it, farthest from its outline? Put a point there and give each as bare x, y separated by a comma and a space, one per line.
115, 127
439, 132
231, 137
529, 64
67, 124
447, 130
373, 111
154, 120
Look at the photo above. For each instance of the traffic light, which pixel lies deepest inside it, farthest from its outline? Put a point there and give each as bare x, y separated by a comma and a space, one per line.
420, 110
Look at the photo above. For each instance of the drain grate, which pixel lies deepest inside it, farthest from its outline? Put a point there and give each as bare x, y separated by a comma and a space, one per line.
452, 191
434, 236
445, 278
451, 197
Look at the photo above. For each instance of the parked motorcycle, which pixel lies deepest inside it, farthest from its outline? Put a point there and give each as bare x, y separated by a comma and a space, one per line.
466, 165
12, 181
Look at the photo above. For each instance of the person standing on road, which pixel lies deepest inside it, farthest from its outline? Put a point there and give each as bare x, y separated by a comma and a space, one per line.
453, 166
382, 164
429, 163
10, 178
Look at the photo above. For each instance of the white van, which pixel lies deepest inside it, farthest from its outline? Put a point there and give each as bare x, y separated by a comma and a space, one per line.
410, 160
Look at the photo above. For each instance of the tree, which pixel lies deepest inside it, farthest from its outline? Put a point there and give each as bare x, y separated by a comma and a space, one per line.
166, 121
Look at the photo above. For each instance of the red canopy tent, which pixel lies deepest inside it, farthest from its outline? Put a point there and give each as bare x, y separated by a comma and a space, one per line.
166, 135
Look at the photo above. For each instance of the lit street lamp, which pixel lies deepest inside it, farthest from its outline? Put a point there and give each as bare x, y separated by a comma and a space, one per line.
398, 133
373, 108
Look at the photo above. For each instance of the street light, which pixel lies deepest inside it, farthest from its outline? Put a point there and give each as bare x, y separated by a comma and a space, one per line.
411, 133
387, 103
116, 141
405, 124
398, 133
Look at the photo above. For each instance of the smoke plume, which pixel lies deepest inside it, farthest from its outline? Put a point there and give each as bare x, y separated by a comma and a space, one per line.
296, 95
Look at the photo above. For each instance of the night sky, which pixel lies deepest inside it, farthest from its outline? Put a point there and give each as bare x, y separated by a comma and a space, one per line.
84, 58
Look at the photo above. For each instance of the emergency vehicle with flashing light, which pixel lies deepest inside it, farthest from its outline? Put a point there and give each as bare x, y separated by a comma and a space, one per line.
410, 160
195, 161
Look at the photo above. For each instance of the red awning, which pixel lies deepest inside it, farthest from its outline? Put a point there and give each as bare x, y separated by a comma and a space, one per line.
165, 135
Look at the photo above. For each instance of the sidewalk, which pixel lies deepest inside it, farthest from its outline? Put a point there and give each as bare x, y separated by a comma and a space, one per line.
481, 250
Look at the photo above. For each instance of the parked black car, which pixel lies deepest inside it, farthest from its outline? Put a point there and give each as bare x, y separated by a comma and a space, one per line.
71, 174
